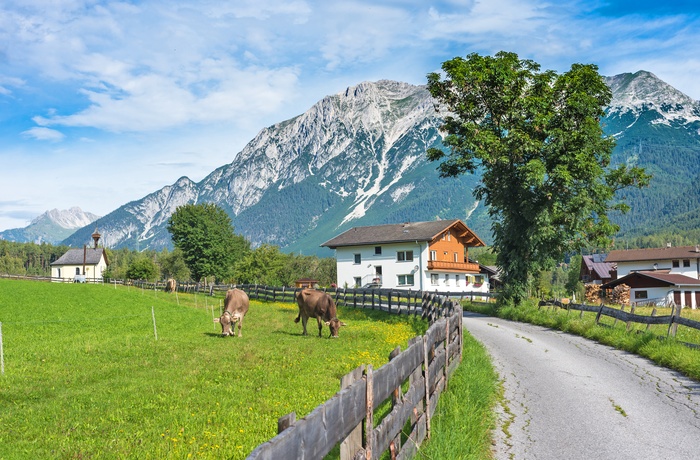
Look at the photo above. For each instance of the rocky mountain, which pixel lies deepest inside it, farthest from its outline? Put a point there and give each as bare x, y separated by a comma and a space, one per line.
51, 227
358, 158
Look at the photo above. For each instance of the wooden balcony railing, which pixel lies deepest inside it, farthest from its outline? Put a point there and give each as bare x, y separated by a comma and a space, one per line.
461, 266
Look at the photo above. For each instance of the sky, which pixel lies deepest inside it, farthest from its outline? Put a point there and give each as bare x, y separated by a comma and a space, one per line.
105, 102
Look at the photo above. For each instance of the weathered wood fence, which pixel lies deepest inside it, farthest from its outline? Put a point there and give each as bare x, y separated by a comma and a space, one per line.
348, 417
629, 317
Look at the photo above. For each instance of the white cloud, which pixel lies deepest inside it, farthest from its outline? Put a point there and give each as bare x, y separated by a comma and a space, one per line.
44, 134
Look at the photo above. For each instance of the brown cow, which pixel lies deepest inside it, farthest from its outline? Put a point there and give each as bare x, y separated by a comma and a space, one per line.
235, 308
319, 305
170, 285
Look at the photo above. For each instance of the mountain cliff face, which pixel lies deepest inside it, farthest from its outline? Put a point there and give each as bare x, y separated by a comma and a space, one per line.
51, 227
354, 158
358, 158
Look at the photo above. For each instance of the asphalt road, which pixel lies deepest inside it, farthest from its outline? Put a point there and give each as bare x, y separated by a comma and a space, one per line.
566, 397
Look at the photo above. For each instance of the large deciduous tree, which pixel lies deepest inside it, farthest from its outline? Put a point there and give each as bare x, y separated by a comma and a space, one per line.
535, 137
205, 235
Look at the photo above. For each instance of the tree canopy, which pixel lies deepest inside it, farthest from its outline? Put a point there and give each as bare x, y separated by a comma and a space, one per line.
205, 235
536, 139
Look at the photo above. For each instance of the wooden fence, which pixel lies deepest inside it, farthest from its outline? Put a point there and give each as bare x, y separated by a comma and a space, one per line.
672, 320
348, 417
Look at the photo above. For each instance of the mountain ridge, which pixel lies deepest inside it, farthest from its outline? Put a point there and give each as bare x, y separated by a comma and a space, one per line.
52, 226
357, 157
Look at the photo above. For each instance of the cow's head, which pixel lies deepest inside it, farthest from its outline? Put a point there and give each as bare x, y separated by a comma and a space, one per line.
226, 322
334, 325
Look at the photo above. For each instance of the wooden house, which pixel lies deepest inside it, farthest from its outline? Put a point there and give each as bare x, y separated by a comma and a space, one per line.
413, 255
659, 275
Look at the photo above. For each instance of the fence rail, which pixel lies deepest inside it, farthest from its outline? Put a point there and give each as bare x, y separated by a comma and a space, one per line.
672, 320
427, 364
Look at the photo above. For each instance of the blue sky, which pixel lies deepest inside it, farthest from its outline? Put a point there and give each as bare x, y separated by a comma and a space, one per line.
103, 102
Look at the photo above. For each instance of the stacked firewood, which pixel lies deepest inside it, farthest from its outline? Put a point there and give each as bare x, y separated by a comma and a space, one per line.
621, 294
593, 293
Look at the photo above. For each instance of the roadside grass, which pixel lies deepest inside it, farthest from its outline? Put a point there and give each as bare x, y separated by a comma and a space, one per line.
651, 342
465, 419
85, 376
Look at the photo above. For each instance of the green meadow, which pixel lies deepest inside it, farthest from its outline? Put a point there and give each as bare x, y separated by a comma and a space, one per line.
85, 376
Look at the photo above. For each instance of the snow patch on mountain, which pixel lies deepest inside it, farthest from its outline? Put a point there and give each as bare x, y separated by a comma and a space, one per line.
642, 91
399, 193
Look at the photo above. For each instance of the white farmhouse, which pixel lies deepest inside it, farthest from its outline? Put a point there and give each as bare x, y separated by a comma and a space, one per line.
415, 255
659, 275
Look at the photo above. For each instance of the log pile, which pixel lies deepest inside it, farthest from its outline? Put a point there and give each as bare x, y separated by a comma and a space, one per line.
621, 294
592, 293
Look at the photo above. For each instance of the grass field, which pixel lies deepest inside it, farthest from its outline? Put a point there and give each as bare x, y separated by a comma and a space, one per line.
85, 376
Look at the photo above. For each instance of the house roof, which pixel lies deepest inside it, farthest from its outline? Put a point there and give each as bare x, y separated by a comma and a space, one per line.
595, 263
634, 255
399, 233
670, 279
75, 257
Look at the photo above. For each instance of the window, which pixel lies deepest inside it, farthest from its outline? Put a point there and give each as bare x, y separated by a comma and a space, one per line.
358, 281
404, 256
640, 294
434, 279
77, 270
449, 236
478, 279
377, 250
433, 255
457, 280
456, 257
686, 262
405, 280
676, 264
358, 259
447, 280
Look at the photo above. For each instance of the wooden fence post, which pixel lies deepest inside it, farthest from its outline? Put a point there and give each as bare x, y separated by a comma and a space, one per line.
369, 417
653, 313
396, 399
629, 323
286, 421
673, 326
447, 347
426, 378
600, 312
350, 445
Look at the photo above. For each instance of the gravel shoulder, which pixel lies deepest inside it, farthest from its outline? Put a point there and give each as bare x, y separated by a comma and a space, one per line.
568, 397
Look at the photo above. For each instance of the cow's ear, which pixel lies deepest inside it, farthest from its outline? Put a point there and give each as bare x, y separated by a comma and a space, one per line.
343, 324
328, 323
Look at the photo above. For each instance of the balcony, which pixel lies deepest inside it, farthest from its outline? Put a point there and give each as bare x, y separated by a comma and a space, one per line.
456, 266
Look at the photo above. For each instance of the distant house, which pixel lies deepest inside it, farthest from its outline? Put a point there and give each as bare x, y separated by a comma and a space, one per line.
596, 269
659, 275
81, 265
306, 283
413, 255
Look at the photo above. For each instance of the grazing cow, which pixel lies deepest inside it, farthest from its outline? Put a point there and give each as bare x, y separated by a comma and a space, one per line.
235, 308
319, 305
170, 285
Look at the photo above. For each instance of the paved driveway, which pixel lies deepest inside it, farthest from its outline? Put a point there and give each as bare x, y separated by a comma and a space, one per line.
567, 397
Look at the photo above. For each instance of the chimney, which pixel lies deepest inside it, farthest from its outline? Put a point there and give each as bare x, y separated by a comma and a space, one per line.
668, 245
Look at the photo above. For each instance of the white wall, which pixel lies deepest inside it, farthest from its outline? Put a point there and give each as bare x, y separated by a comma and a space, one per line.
625, 268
